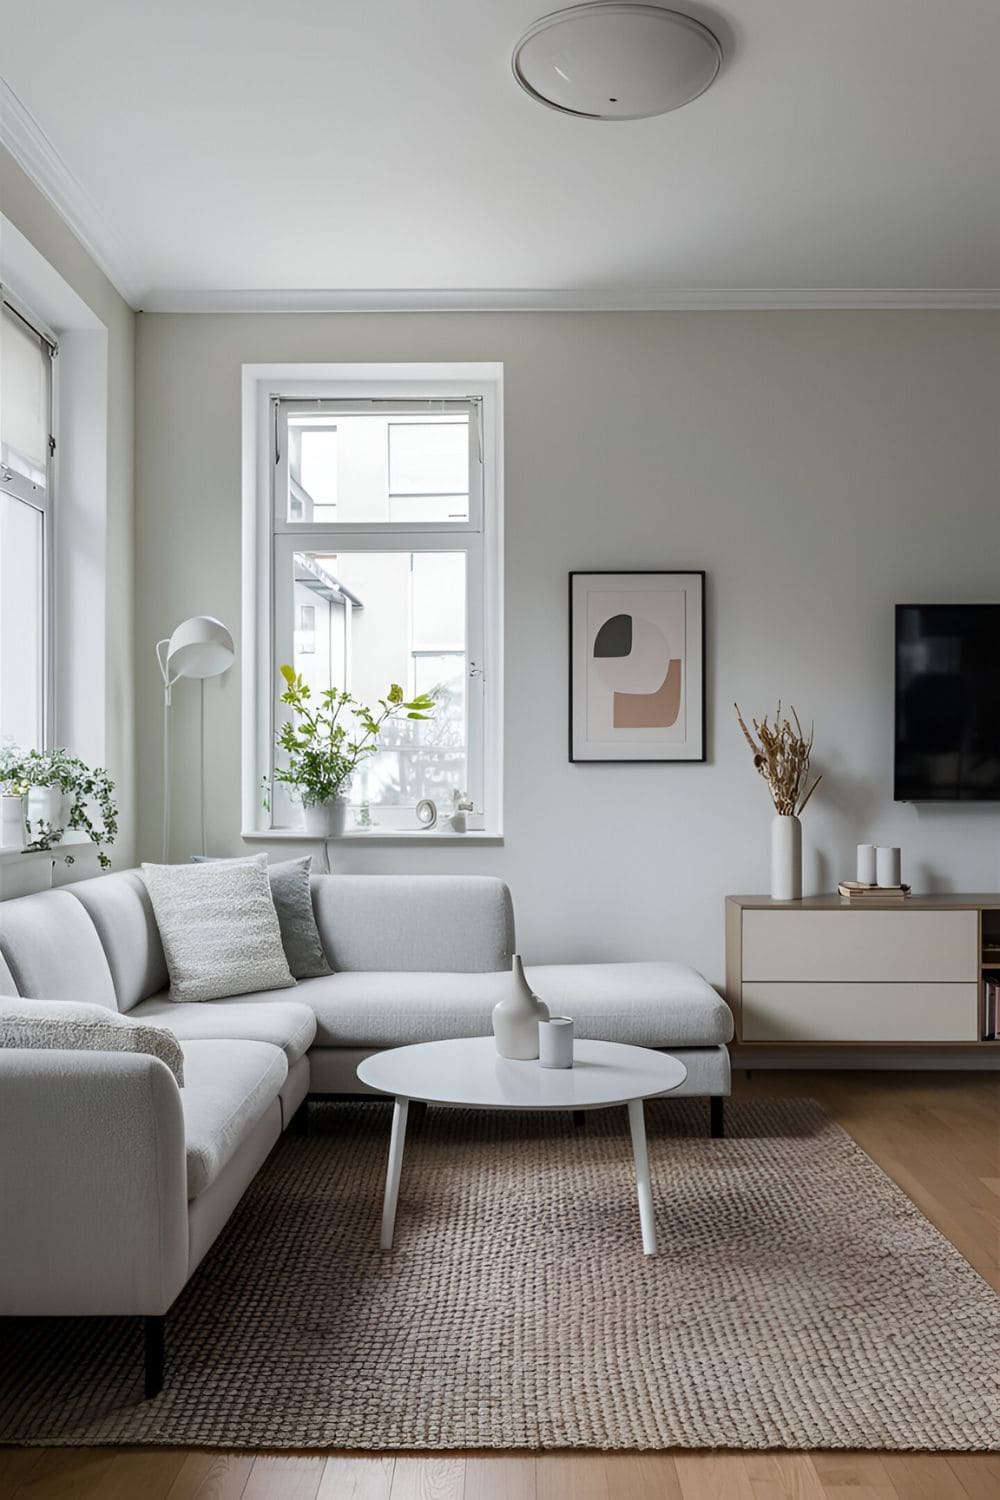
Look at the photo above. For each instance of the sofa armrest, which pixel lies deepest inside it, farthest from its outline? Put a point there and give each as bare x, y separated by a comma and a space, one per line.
93, 1184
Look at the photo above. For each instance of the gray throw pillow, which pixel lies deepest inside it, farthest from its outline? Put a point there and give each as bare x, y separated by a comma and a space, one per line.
72, 1026
292, 895
218, 927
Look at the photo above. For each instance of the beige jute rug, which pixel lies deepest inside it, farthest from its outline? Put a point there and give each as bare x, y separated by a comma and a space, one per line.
799, 1300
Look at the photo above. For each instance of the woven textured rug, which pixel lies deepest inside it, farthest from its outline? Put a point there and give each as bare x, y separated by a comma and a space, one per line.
799, 1300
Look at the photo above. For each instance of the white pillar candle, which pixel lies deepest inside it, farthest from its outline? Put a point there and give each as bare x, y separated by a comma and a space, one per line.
866, 864
887, 866
555, 1042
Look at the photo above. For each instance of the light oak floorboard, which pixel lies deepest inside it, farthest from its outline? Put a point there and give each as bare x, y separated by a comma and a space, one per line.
642, 1476
357, 1479
15, 1465
782, 1476
511, 1476
713, 1476
428, 1479
572, 1476
212, 1476
281, 1477
66, 1474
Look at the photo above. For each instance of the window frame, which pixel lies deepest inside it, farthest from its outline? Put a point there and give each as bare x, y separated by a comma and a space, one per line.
270, 539
40, 498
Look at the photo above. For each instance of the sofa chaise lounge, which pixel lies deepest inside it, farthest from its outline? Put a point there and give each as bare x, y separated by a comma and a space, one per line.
145, 1174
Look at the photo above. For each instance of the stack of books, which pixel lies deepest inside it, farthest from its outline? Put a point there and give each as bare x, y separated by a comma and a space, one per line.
853, 890
991, 1026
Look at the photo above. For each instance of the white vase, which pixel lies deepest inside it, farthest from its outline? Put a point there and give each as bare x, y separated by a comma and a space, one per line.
516, 1017
13, 834
786, 858
325, 820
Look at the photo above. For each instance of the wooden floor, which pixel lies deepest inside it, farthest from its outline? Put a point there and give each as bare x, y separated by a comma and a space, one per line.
938, 1135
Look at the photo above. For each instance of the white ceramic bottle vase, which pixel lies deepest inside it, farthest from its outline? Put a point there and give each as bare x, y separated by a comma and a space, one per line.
786, 858
516, 1017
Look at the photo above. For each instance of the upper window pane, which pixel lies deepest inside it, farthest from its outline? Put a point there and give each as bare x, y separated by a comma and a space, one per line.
22, 623
377, 468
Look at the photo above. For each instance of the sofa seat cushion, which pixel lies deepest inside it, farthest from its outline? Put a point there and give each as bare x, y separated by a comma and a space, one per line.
656, 1004
287, 1024
648, 1004
393, 1009
228, 1087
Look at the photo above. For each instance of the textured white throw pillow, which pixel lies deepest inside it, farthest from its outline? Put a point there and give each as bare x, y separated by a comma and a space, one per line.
72, 1026
219, 928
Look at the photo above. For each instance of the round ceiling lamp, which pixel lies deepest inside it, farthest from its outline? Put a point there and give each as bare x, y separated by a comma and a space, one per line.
616, 61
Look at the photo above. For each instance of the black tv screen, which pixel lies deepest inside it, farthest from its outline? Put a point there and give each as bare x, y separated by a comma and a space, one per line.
947, 703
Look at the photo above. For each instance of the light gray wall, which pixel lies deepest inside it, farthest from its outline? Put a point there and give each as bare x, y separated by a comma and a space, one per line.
819, 466
39, 222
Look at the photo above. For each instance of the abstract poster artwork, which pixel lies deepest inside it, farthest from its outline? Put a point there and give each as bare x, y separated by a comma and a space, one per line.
637, 670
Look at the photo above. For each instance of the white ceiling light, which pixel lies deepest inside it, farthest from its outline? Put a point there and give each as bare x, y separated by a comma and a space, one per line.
616, 61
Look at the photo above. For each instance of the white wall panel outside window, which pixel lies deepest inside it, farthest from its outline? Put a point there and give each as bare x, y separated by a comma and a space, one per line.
383, 567
25, 531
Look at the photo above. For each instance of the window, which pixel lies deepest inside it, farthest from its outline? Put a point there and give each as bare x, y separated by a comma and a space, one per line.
381, 565
26, 448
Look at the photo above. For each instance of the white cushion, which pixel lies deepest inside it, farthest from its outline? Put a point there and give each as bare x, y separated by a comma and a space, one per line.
230, 1086
219, 928
655, 1004
68, 1026
252, 1018
647, 1004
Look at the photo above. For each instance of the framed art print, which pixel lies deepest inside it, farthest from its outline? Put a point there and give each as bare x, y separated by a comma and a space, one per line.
637, 666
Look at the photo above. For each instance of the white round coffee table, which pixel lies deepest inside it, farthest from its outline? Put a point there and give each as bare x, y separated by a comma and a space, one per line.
469, 1072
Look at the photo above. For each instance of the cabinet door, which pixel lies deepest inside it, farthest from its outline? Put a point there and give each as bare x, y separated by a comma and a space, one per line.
860, 1012
934, 946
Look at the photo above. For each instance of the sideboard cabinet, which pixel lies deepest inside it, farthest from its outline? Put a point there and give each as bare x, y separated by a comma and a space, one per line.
823, 971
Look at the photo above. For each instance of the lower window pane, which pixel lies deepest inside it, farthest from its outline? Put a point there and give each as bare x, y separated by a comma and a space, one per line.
22, 623
365, 620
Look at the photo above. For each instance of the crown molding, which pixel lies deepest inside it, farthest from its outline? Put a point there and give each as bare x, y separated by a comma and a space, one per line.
23, 137
503, 299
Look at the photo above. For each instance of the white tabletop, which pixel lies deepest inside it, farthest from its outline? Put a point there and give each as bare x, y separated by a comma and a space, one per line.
470, 1071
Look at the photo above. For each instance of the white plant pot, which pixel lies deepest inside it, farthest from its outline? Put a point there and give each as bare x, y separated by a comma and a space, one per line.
325, 820
47, 806
786, 858
516, 1017
13, 834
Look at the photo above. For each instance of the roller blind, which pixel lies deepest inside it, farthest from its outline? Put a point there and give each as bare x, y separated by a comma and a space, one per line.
24, 398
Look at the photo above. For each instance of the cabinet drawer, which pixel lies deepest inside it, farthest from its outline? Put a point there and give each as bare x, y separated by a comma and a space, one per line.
860, 1012
935, 946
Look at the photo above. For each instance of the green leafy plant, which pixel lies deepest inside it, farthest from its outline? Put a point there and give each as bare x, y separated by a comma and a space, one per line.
89, 792
332, 734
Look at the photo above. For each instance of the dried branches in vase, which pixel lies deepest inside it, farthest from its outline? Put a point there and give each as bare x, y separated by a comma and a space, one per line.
781, 754
782, 758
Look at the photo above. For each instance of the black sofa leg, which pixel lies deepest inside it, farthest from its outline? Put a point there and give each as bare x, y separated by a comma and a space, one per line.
580, 1118
154, 1331
717, 1115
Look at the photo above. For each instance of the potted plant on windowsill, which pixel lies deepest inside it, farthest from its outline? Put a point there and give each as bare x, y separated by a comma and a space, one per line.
59, 792
326, 742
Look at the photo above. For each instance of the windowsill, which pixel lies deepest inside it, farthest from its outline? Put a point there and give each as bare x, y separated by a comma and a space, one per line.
381, 840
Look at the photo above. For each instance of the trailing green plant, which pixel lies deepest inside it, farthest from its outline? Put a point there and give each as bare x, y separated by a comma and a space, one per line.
89, 791
332, 734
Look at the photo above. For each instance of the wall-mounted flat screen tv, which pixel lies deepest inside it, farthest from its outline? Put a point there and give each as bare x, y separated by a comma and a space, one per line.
947, 703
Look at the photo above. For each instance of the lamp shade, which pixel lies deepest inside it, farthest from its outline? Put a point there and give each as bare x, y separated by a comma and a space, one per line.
199, 647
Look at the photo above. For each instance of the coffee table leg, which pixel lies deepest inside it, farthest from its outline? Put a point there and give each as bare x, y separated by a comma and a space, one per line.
637, 1126
396, 1143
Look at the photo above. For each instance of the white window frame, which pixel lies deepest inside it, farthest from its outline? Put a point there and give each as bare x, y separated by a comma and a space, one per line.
40, 497
268, 536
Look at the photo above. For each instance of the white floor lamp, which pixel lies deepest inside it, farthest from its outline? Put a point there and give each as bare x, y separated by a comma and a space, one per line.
200, 647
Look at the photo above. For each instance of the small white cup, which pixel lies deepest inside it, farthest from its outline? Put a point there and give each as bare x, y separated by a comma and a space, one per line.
555, 1042
866, 864
888, 866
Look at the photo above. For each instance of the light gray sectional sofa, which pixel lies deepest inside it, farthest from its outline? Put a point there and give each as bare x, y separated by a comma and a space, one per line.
114, 1182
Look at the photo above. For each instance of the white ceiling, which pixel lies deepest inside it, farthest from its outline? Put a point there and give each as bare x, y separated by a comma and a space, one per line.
346, 145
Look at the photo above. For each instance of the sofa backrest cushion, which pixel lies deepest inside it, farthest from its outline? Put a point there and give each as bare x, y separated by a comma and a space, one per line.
53, 950
7, 985
120, 909
446, 924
